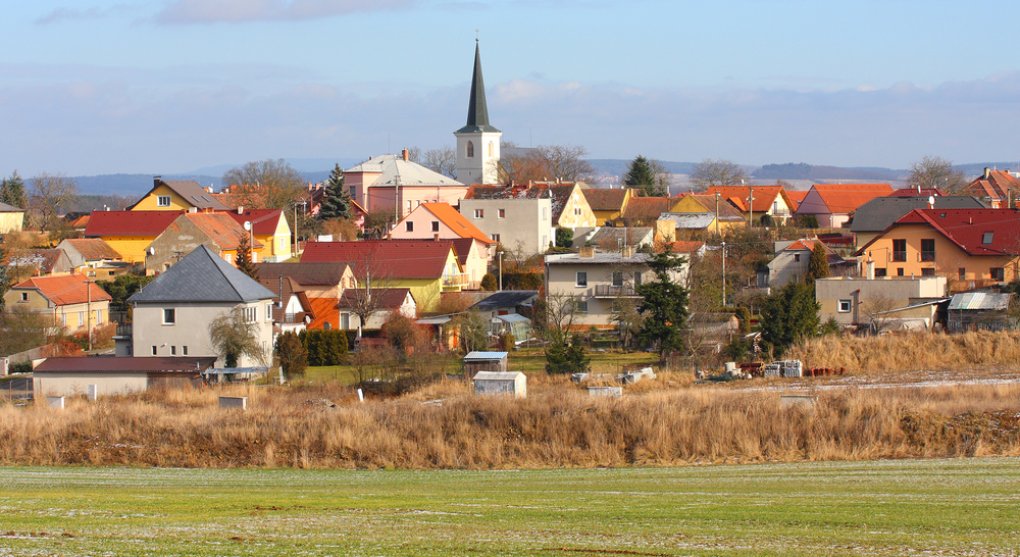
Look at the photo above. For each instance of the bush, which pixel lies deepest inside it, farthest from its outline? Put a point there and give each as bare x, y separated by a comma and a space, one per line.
564, 238
489, 282
567, 357
324, 348
507, 342
292, 354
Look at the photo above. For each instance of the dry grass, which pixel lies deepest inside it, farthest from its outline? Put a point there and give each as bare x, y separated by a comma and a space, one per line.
558, 426
909, 352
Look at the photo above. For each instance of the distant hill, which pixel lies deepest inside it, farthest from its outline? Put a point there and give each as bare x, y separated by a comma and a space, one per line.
135, 185
803, 171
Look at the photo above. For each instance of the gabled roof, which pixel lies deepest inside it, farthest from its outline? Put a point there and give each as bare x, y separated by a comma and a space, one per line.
80, 222
456, 222
45, 260
840, 198
995, 185
558, 193
5, 208
980, 301
795, 197
605, 199
394, 170
690, 221
219, 227
91, 249
688, 246
876, 215
396, 259
264, 221
190, 190
727, 212
65, 289
976, 231
202, 277
290, 287
463, 248
305, 273
646, 209
152, 364
130, 223
478, 109
507, 299
764, 196
616, 236
324, 310
382, 298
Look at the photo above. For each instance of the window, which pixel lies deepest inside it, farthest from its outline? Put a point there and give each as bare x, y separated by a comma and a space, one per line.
435, 226
173, 350
617, 278
470, 149
169, 316
269, 312
987, 237
353, 191
844, 306
163, 201
582, 279
495, 238
899, 250
184, 349
345, 321
962, 273
581, 306
99, 316
24, 296
637, 279
228, 257
153, 349
250, 314
577, 211
927, 250
899, 272
81, 318
997, 273
502, 213
930, 272
881, 272
492, 149
409, 226
327, 326
479, 213
796, 258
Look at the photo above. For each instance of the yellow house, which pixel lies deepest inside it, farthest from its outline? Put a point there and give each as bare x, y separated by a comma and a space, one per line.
607, 204
11, 218
67, 301
972, 248
129, 233
176, 195
729, 218
270, 228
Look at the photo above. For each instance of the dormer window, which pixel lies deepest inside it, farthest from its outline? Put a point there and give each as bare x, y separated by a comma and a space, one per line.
986, 238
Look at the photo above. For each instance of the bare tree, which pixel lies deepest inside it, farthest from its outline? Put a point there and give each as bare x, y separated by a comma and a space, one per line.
936, 172
50, 193
876, 309
711, 172
560, 311
442, 160
267, 184
548, 162
233, 336
565, 162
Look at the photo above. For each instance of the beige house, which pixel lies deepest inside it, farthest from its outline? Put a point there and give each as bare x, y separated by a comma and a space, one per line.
889, 302
217, 231
106, 376
522, 225
69, 302
11, 218
172, 314
595, 280
568, 205
318, 280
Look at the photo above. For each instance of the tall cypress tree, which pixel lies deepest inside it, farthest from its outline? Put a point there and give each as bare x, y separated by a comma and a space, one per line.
664, 304
336, 203
818, 266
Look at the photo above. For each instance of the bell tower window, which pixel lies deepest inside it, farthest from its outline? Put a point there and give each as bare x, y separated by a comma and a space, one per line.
470, 149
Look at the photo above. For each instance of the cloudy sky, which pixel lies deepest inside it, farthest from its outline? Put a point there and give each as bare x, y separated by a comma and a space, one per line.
164, 86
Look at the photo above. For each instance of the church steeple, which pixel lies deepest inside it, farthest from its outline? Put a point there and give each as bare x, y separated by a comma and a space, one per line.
478, 110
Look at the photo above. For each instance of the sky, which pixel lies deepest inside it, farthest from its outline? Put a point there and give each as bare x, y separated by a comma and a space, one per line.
171, 86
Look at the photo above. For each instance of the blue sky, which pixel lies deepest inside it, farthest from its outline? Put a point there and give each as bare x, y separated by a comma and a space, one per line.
163, 86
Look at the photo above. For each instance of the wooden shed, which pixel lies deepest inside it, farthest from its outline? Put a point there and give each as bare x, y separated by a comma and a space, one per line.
484, 361
509, 383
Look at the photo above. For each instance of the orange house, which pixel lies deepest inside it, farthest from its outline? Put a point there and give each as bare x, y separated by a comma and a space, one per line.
972, 248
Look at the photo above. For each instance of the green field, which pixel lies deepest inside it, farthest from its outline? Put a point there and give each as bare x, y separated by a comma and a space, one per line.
943, 507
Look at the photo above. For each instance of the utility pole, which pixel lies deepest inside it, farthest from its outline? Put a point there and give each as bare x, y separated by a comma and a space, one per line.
500, 270
724, 274
88, 309
750, 206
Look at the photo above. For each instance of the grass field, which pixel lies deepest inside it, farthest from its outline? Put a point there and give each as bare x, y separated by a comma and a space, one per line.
935, 507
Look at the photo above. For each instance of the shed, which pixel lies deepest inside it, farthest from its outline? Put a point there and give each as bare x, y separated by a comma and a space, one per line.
512, 383
69, 376
985, 311
484, 361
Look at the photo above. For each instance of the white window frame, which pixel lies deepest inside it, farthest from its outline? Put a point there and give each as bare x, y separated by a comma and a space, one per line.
841, 304
269, 312
502, 213
162, 200
172, 314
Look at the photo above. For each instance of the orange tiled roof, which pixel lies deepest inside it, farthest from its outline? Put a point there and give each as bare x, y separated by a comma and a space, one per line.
795, 197
846, 198
324, 310
220, 228
764, 196
66, 289
995, 185
456, 221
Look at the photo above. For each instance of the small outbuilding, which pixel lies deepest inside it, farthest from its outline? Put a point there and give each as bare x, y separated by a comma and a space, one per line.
511, 383
979, 311
484, 361
111, 375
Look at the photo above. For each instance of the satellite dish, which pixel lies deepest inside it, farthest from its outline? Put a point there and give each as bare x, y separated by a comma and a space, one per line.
247, 225
931, 201
152, 250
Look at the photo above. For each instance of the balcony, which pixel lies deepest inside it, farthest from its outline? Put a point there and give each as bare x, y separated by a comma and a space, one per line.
928, 255
610, 291
455, 282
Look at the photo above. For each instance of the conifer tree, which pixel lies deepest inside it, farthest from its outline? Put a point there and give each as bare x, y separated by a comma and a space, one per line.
336, 203
818, 267
244, 260
12, 191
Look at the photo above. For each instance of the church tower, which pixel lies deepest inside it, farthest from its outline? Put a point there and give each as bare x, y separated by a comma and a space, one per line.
477, 141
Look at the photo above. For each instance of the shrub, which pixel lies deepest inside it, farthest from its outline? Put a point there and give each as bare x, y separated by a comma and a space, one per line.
324, 348
489, 282
292, 353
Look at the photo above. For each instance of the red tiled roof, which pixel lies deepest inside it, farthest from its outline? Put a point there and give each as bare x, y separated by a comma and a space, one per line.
80, 222
399, 259
646, 209
65, 290
456, 222
324, 310
846, 198
129, 223
994, 184
795, 197
764, 196
220, 228
463, 249
682, 246
264, 221
970, 228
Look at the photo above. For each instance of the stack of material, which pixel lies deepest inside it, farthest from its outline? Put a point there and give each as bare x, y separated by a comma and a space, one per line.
792, 368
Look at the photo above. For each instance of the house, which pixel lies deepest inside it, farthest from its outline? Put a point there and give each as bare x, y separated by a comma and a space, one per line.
176, 195
106, 376
979, 311
379, 303
172, 314
129, 233
269, 228
426, 267
511, 383
972, 248
12, 219
724, 216
569, 207
608, 204
521, 224
395, 185
95, 257
644, 211
319, 280
594, 281
872, 218
755, 201
40, 262
69, 302
881, 303
440, 221
793, 261
795, 198
614, 238
832, 205
292, 309
994, 188
217, 231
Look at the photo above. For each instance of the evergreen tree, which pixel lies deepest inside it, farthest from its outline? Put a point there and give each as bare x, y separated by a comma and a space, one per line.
244, 261
642, 175
564, 356
12, 191
5, 281
789, 316
292, 353
664, 305
818, 267
336, 203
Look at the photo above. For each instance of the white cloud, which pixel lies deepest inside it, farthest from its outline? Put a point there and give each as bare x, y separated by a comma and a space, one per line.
238, 11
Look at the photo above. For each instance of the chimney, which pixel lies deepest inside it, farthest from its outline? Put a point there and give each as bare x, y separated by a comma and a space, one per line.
406, 155
628, 251
988, 173
157, 179
240, 209
435, 237
586, 252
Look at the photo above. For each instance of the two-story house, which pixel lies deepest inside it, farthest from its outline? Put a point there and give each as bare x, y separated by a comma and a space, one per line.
176, 195
69, 302
129, 233
521, 225
440, 221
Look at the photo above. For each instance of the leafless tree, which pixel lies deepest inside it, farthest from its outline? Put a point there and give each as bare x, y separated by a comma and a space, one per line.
711, 172
876, 309
549, 162
50, 193
936, 172
442, 160
266, 184
560, 311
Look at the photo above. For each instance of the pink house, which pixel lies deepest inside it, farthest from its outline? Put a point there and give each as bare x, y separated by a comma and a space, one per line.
440, 221
395, 185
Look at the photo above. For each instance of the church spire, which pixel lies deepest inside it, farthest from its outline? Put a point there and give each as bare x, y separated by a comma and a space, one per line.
478, 110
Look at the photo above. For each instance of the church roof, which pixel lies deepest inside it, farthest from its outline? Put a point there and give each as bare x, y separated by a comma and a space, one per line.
478, 110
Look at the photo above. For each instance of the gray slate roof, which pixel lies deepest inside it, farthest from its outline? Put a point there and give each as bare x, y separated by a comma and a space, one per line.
5, 208
202, 277
478, 110
506, 299
690, 221
879, 213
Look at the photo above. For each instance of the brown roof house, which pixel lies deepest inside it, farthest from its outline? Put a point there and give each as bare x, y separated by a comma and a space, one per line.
217, 231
